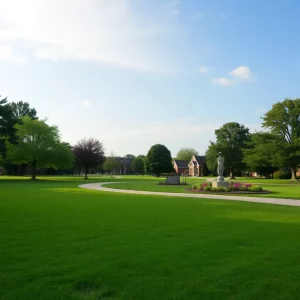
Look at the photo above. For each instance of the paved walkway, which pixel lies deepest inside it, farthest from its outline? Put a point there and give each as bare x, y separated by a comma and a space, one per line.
99, 186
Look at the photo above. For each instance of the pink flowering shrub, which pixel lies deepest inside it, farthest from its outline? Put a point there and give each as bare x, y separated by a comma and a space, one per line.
233, 186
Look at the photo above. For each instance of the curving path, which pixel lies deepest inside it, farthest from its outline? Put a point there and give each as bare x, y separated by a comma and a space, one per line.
279, 201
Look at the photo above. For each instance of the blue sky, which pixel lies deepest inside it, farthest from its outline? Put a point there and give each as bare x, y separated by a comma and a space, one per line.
133, 73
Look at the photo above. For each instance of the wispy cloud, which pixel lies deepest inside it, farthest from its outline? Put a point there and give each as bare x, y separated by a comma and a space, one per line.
202, 69
241, 73
86, 103
238, 75
102, 31
223, 81
7, 54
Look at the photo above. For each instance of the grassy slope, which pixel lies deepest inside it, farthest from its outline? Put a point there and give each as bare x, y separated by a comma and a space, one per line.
61, 242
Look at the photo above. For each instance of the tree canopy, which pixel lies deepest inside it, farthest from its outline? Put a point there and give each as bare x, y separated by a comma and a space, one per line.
186, 153
261, 155
22, 109
38, 145
112, 164
159, 160
231, 138
211, 158
138, 165
7, 123
283, 121
88, 153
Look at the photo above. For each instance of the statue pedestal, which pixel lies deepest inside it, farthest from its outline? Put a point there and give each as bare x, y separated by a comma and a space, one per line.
220, 183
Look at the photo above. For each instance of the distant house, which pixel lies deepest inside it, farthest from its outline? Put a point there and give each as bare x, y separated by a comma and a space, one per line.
181, 166
196, 165
125, 165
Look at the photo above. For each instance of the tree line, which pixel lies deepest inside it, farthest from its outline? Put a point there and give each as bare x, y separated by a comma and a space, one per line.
278, 147
26, 141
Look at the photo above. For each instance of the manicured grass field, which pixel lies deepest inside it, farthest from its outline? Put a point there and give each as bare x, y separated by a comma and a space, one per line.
61, 242
279, 188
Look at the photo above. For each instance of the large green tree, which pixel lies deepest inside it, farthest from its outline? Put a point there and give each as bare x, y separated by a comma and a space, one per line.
159, 160
88, 153
39, 146
112, 164
283, 121
7, 123
261, 155
186, 153
22, 109
211, 158
138, 165
231, 139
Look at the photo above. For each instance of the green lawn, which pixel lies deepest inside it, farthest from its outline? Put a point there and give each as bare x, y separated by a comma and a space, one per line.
280, 189
61, 242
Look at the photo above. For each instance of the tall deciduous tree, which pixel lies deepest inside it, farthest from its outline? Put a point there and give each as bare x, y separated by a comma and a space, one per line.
231, 138
138, 165
38, 145
211, 158
283, 120
159, 160
130, 156
88, 153
186, 153
7, 123
261, 155
22, 109
111, 163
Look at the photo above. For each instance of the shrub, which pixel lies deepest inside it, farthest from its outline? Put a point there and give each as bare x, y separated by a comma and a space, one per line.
244, 188
195, 187
207, 188
255, 188
214, 189
281, 174
221, 189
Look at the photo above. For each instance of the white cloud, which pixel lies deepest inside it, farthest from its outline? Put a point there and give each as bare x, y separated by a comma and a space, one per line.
241, 73
102, 31
7, 54
86, 103
203, 69
223, 81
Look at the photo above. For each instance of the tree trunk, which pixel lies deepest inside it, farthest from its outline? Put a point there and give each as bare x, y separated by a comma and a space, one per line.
86, 172
231, 174
294, 175
33, 170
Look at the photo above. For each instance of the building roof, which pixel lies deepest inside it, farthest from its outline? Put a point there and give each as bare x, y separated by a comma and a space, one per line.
200, 159
181, 163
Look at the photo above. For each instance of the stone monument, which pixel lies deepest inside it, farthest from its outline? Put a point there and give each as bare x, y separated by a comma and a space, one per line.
220, 180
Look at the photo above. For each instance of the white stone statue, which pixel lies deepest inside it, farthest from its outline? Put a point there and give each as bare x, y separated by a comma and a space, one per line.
220, 161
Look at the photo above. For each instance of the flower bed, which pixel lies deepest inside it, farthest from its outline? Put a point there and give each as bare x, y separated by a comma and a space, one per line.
233, 188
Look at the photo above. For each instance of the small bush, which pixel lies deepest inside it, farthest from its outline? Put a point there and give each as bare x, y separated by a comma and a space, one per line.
255, 188
207, 188
214, 189
221, 189
244, 188
281, 174
195, 187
